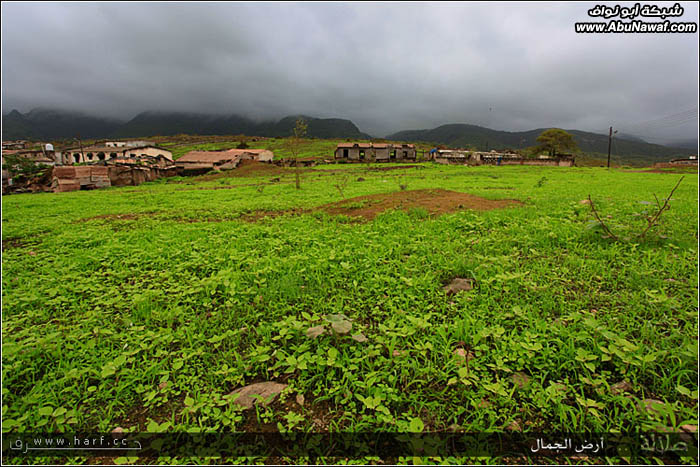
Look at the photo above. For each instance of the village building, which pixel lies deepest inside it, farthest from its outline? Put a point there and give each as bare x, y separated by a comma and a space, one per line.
455, 156
493, 157
208, 160
89, 177
380, 152
95, 154
690, 160
127, 144
38, 156
12, 145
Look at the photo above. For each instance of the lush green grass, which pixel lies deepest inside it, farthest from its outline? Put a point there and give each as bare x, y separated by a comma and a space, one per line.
98, 313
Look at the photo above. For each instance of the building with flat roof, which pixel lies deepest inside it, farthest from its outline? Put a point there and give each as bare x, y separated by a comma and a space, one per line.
379, 152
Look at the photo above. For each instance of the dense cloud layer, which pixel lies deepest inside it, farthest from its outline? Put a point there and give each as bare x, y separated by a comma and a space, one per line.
386, 67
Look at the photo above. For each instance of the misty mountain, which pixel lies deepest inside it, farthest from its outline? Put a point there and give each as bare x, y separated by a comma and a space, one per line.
630, 137
464, 135
687, 144
47, 124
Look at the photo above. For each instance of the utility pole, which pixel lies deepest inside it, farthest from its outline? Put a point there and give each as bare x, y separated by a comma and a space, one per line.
609, 146
610, 143
81, 148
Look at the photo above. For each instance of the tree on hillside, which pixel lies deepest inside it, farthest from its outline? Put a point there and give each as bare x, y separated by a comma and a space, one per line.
556, 140
294, 144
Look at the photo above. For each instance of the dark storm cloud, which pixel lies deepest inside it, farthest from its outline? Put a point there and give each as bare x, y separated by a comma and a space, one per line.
387, 67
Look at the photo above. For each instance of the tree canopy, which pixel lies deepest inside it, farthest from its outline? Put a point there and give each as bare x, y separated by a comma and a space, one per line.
555, 141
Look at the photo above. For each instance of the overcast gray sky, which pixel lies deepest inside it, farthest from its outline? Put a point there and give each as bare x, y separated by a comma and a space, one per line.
387, 67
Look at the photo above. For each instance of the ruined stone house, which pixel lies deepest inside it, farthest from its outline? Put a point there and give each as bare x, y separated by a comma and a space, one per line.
380, 152
208, 160
107, 153
493, 157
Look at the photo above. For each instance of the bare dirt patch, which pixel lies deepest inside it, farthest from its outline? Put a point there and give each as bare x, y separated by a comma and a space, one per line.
256, 216
246, 168
116, 217
666, 169
396, 167
435, 201
13, 242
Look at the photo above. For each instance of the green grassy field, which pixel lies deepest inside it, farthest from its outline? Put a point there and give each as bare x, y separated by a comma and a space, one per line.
143, 307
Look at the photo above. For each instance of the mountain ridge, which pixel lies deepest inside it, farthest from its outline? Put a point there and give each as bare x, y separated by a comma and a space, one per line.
482, 138
52, 124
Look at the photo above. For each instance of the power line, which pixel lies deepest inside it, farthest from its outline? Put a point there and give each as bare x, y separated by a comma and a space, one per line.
664, 122
686, 113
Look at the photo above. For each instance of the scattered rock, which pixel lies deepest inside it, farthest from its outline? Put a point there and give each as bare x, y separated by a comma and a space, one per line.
359, 337
163, 385
248, 395
458, 284
520, 379
584, 201
118, 430
397, 353
341, 327
340, 323
463, 356
315, 331
619, 388
32, 253
689, 428
652, 406
300, 399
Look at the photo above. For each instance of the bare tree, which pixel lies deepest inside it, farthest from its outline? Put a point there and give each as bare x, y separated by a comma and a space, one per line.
652, 220
294, 144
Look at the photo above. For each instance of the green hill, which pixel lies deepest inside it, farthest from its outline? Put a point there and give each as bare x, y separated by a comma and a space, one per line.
631, 151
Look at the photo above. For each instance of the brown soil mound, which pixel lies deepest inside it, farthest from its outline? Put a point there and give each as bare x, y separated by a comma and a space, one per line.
246, 168
435, 201
664, 169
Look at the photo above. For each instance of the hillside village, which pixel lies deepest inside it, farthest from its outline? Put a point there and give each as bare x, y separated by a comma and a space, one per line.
100, 164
